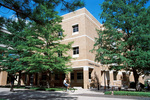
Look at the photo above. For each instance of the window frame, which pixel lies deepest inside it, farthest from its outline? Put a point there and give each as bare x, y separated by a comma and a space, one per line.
78, 76
72, 76
75, 29
90, 75
60, 34
75, 51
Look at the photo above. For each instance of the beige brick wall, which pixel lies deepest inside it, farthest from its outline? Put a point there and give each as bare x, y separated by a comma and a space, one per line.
3, 78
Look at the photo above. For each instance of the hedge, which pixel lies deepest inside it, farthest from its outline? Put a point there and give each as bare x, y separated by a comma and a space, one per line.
129, 93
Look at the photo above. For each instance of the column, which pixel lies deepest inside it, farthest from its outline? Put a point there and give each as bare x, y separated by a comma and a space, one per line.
68, 77
3, 78
85, 77
23, 79
111, 78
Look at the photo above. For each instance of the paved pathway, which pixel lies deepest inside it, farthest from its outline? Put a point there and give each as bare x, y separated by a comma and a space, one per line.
82, 94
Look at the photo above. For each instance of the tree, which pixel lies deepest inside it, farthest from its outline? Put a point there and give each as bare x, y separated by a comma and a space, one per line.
39, 44
31, 9
11, 54
43, 44
124, 43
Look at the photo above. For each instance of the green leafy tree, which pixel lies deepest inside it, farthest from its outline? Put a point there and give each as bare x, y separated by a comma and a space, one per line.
31, 9
124, 42
2, 20
11, 54
47, 53
40, 44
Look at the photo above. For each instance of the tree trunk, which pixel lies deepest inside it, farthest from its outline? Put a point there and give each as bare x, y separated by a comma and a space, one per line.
47, 80
19, 80
136, 78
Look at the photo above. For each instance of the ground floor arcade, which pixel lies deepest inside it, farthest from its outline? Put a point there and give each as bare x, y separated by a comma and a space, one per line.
84, 76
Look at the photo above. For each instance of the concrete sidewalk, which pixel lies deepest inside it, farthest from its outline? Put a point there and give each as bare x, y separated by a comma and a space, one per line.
80, 94
88, 91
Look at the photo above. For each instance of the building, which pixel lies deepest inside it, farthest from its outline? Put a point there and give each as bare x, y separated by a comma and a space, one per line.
80, 26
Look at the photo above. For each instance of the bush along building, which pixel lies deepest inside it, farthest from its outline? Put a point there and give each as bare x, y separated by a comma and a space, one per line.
79, 26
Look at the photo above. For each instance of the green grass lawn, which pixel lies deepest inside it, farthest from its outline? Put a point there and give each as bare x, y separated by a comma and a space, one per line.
129, 93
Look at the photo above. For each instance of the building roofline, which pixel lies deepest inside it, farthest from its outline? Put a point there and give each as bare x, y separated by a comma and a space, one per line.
73, 11
85, 12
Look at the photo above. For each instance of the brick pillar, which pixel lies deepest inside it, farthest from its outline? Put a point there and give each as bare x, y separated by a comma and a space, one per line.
3, 78
69, 77
23, 79
111, 78
85, 77
102, 78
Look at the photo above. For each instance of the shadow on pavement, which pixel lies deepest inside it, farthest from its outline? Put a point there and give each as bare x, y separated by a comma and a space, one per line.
35, 95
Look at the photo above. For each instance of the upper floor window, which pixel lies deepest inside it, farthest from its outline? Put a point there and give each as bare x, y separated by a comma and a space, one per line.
75, 28
75, 50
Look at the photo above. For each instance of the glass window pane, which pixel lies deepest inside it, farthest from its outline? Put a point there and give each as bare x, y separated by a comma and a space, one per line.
75, 28
79, 75
75, 50
72, 76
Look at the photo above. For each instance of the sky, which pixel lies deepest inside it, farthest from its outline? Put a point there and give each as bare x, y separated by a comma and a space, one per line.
93, 6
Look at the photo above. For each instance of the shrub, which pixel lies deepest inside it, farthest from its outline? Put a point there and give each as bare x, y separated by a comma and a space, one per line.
108, 92
133, 85
54, 89
130, 93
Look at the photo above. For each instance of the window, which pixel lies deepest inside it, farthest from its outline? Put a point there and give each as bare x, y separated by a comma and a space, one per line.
63, 76
75, 50
72, 76
44, 77
56, 77
89, 75
115, 75
75, 28
60, 34
80, 75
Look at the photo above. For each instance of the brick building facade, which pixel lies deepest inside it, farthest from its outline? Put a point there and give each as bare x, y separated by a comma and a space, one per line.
80, 26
